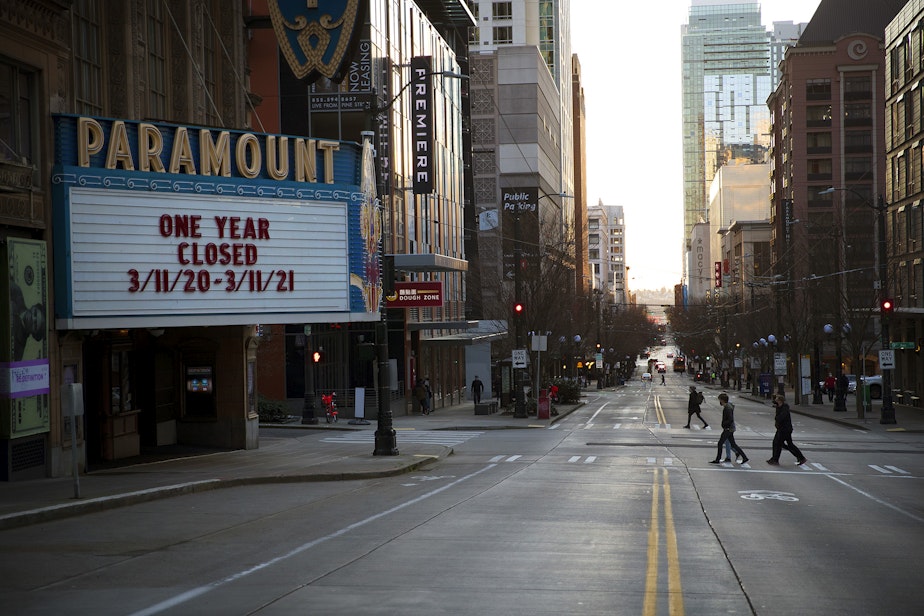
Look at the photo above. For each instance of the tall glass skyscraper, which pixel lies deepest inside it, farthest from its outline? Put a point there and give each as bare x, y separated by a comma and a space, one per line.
726, 82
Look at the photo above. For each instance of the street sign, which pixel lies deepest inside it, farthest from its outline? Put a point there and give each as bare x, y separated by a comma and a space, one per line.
779, 363
887, 359
519, 358
902, 345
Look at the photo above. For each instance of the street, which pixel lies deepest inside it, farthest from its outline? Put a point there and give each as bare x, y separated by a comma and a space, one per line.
612, 510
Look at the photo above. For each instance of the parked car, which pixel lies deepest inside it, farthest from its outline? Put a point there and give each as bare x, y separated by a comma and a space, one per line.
874, 382
851, 383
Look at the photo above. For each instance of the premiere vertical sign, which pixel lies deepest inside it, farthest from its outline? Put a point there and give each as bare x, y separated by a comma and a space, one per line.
422, 118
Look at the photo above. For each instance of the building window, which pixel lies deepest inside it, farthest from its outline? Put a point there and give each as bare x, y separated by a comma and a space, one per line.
818, 89
503, 35
818, 143
819, 169
858, 168
502, 10
88, 58
156, 60
818, 115
594, 255
18, 114
858, 87
858, 114
858, 141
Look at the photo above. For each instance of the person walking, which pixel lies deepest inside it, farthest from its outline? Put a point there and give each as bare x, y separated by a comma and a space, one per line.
420, 394
728, 431
830, 383
696, 398
783, 437
477, 388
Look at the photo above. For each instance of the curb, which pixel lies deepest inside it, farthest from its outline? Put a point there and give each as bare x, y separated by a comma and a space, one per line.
104, 503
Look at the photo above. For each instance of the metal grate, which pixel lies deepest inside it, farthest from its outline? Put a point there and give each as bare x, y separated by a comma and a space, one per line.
27, 453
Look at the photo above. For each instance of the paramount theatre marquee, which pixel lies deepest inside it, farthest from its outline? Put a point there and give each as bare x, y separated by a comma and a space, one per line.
162, 225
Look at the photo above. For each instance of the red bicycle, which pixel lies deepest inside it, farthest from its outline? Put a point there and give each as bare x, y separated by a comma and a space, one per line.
330, 406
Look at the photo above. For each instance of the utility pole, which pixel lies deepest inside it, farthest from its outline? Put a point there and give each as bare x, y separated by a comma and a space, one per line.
887, 414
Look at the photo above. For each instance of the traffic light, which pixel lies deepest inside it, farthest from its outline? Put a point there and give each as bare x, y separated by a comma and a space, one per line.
886, 308
317, 357
518, 309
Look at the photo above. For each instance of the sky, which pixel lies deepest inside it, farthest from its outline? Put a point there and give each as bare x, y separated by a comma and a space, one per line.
630, 67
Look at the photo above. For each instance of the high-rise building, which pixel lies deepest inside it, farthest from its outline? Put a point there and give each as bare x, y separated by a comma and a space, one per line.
606, 241
726, 82
522, 135
827, 171
905, 191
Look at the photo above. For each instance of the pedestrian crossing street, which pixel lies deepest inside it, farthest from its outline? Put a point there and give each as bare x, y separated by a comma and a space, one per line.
447, 438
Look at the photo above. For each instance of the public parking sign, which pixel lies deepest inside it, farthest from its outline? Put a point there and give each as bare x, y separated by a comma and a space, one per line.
887, 359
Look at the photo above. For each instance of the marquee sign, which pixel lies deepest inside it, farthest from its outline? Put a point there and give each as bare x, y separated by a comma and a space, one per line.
167, 225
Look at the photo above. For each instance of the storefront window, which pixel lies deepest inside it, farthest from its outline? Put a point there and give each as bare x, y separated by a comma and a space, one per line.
120, 382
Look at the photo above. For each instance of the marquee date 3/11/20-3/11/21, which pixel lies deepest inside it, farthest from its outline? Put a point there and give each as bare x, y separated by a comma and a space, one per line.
162, 280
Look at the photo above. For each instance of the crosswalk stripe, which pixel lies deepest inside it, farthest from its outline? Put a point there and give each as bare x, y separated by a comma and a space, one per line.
427, 437
888, 470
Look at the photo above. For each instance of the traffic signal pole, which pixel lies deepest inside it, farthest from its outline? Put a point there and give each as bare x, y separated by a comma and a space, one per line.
519, 408
887, 413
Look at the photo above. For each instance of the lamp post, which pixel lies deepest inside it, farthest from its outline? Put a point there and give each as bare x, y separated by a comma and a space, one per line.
887, 413
385, 436
840, 389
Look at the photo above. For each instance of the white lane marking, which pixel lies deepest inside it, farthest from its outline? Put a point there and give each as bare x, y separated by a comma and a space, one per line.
877, 500
888, 470
513, 458
181, 598
554, 427
818, 466
496, 459
574, 458
590, 459
616, 427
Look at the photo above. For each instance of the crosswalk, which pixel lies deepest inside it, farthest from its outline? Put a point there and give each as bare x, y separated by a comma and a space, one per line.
809, 467
447, 438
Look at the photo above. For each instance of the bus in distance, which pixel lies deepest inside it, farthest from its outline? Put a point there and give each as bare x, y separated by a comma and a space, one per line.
680, 364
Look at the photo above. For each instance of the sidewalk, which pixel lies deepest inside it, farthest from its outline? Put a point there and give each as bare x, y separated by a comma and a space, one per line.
277, 460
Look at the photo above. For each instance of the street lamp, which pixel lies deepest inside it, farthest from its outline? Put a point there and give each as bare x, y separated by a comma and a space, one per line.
887, 413
840, 389
385, 436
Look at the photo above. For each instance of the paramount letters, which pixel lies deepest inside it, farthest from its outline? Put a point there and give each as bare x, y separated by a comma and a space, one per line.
250, 155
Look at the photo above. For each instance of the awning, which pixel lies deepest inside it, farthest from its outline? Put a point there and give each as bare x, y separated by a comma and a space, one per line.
466, 339
416, 326
430, 262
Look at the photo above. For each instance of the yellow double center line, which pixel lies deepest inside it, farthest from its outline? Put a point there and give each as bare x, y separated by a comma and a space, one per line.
659, 411
675, 591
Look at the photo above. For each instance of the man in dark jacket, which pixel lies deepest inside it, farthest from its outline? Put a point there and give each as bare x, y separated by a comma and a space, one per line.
728, 431
696, 398
783, 437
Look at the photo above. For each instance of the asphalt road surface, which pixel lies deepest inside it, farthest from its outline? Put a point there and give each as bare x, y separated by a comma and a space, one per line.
612, 510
